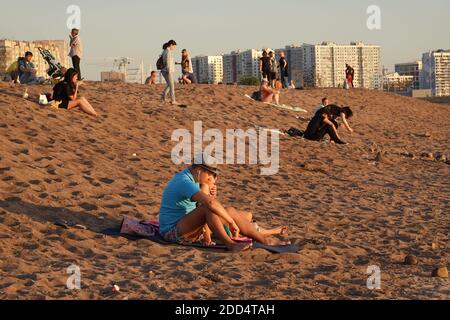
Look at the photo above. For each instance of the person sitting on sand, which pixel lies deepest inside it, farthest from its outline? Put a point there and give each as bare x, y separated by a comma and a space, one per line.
188, 76
182, 221
27, 70
268, 94
325, 103
324, 122
152, 80
211, 190
65, 94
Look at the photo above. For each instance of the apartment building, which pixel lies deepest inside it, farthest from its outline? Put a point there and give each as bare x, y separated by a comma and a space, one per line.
436, 72
413, 69
208, 69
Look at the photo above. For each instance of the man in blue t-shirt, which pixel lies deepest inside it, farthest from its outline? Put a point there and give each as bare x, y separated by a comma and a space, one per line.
186, 211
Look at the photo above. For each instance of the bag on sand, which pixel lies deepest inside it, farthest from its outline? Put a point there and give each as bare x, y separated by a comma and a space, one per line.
160, 63
256, 96
294, 132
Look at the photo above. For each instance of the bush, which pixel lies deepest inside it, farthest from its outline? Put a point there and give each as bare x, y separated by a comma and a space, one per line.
249, 81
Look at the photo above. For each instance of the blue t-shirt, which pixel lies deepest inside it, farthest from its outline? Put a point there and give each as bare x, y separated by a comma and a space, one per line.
177, 200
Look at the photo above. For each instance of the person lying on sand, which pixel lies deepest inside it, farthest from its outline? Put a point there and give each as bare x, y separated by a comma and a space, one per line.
324, 122
65, 94
211, 189
268, 94
182, 221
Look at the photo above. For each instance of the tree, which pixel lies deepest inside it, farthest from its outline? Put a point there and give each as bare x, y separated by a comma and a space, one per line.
249, 81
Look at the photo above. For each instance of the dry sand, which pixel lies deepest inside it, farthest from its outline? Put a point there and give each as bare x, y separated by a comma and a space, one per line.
346, 210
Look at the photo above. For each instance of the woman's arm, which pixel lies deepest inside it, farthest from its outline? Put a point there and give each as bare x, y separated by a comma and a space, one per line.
344, 120
327, 121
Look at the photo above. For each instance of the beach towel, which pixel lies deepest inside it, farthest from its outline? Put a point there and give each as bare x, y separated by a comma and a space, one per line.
281, 106
150, 230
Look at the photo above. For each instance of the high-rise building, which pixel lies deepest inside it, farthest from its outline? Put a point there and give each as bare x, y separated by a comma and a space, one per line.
230, 67
324, 64
411, 69
241, 64
436, 72
248, 64
208, 69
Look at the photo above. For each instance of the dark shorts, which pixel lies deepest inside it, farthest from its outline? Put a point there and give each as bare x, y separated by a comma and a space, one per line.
64, 104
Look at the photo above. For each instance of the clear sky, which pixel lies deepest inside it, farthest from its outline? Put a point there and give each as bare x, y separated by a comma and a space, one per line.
138, 28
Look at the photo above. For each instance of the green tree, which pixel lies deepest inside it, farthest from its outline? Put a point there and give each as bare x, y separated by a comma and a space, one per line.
249, 81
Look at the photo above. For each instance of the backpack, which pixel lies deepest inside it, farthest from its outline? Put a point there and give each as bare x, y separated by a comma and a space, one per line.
256, 95
294, 132
160, 63
58, 91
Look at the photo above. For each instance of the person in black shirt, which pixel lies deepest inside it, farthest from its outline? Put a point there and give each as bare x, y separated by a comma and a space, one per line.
264, 66
284, 67
66, 96
324, 122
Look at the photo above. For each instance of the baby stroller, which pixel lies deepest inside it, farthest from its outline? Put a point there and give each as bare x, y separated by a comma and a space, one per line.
56, 70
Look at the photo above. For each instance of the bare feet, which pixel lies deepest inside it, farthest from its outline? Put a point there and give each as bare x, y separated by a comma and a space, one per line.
276, 242
277, 231
239, 247
175, 103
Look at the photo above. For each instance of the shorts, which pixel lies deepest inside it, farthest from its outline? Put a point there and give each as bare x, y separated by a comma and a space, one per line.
64, 104
174, 236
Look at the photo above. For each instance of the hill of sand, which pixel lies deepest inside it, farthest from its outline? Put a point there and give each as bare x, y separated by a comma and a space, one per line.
349, 207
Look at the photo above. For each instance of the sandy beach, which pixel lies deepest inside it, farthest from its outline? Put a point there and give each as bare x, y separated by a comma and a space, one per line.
371, 202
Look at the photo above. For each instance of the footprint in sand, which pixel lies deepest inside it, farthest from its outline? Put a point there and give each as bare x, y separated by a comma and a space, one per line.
88, 206
106, 180
5, 169
17, 141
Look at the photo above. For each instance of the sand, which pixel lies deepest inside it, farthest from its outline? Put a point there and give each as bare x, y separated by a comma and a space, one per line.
345, 210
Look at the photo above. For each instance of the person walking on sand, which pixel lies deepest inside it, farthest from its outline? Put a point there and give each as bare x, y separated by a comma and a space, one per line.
168, 71
349, 75
76, 50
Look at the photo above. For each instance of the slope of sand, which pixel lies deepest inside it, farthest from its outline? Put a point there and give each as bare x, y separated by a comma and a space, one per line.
346, 210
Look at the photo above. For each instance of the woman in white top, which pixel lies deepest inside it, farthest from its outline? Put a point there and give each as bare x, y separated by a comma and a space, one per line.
168, 71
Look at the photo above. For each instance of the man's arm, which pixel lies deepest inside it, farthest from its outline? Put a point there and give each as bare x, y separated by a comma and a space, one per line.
214, 205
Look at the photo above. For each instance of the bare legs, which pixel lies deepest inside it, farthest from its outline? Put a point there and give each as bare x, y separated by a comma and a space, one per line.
84, 105
203, 216
244, 222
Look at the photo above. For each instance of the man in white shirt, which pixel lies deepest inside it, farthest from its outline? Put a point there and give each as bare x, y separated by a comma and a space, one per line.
76, 50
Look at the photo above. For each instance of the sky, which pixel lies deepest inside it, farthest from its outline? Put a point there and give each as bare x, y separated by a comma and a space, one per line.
138, 28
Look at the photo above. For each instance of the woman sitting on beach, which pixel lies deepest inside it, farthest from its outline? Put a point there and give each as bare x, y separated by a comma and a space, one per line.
211, 190
65, 94
182, 221
268, 94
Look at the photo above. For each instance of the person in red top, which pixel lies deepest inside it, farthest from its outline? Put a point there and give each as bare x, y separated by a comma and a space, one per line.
268, 94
